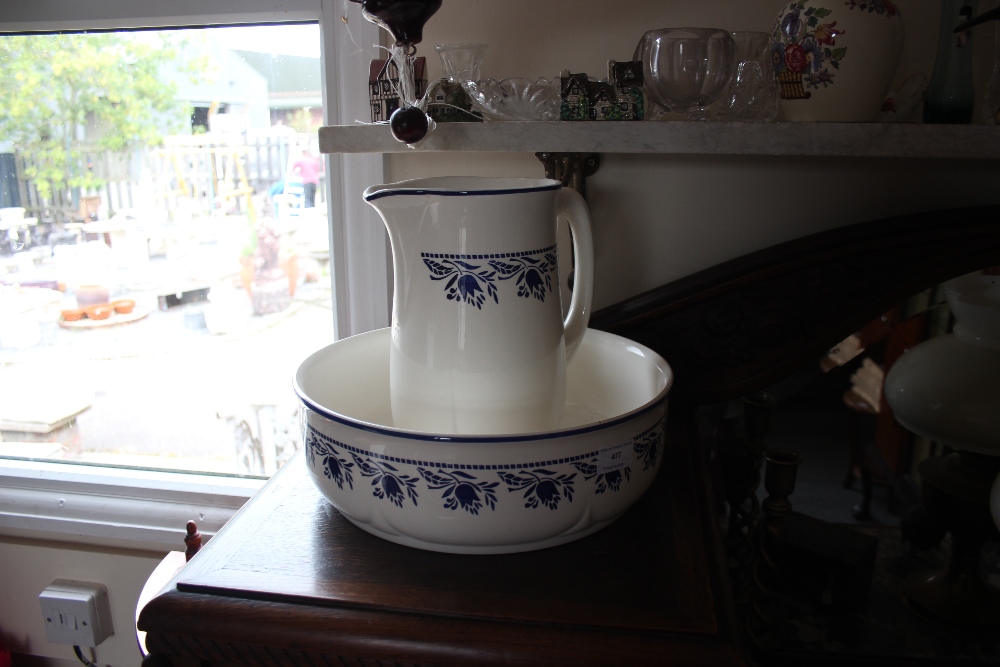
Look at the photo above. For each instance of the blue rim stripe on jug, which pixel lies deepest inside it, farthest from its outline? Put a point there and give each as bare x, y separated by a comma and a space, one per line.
545, 435
459, 193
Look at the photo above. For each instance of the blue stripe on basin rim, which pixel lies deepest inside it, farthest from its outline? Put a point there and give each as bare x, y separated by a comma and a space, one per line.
459, 193
545, 435
460, 466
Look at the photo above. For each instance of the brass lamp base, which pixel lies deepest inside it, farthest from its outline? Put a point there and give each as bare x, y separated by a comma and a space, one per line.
962, 600
956, 491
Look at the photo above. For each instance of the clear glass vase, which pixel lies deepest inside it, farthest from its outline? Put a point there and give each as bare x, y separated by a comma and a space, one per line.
991, 101
461, 61
754, 91
951, 94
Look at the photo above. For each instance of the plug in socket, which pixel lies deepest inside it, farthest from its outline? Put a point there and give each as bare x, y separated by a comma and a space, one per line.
76, 612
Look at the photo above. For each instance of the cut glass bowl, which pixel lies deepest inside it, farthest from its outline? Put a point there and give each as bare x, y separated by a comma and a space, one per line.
515, 99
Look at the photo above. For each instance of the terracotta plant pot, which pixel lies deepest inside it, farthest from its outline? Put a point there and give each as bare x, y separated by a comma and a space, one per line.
290, 265
74, 315
247, 270
123, 306
100, 311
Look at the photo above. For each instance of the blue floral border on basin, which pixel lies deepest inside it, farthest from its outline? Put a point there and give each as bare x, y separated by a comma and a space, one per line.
542, 483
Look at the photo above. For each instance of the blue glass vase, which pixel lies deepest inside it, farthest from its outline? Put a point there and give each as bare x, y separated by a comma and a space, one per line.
951, 93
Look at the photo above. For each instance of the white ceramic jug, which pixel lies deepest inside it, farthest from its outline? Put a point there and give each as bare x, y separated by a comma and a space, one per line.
479, 343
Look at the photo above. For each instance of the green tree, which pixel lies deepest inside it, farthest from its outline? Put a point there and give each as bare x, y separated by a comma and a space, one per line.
301, 120
105, 91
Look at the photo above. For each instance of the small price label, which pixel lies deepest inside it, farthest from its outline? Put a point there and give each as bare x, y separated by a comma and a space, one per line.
614, 458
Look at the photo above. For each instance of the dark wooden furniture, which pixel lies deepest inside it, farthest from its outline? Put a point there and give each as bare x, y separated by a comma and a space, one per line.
290, 582
740, 326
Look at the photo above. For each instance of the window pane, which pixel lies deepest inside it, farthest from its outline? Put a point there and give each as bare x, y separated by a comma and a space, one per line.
164, 259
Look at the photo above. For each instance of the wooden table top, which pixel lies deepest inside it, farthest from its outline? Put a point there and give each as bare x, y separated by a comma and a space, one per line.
291, 579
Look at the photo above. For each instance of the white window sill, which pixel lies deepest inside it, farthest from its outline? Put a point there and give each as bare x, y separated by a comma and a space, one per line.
115, 507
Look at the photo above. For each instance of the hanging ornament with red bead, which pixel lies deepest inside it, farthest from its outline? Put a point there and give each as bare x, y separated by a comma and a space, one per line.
404, 20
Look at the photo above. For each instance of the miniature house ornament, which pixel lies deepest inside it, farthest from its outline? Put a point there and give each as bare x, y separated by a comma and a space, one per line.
447, 102
835, 59
618, 98
383, 86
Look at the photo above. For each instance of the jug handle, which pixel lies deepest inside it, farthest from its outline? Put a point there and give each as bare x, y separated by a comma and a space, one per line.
573, 207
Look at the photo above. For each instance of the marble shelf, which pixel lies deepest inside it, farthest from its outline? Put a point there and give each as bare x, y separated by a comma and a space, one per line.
866, 140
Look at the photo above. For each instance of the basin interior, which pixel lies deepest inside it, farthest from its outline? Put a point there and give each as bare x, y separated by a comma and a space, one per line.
609, 376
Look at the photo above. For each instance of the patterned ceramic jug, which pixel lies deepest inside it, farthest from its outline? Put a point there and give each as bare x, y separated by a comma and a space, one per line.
479, 342
835, 59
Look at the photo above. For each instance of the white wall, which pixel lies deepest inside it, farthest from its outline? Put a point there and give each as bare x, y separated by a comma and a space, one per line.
659, 218
27, 567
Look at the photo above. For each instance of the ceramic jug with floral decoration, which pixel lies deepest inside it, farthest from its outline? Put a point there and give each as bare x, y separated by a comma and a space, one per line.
835, 59
479, 340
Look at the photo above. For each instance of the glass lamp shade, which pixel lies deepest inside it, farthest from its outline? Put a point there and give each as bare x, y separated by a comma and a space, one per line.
947, 389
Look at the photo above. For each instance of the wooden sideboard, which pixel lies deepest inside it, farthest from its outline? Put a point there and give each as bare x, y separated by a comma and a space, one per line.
289, 581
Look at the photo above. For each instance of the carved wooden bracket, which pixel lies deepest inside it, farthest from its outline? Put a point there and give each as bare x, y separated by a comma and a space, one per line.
742, 325
572, 169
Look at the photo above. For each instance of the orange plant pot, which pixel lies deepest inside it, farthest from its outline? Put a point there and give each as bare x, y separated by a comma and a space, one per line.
123, 306
101, 311
74, 315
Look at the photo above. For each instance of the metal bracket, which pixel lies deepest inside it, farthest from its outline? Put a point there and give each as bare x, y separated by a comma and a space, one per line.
572, 169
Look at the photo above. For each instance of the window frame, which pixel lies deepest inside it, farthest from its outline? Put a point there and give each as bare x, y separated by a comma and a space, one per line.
147, 509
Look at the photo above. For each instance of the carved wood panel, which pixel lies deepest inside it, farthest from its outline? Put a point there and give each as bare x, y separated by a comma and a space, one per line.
744, 324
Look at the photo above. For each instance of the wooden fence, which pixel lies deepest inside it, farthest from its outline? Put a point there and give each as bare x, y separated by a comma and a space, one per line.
214, 171
62, 205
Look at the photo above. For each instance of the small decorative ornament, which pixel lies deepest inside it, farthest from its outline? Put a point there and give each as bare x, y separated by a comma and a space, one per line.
384, 86
447, 102
408, 124
618, 98
835, 59
404, 20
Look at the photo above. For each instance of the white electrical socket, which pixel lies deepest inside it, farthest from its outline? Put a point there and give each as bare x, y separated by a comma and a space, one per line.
76, 612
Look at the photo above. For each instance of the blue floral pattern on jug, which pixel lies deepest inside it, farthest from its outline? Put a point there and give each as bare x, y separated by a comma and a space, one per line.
544, 483
461, 490
541, 486
473, 283
386, 482
534, 275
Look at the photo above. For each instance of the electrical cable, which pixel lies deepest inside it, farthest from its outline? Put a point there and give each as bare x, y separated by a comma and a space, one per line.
79, 654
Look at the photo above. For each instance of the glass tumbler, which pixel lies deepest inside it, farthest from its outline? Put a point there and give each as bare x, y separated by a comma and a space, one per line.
754, 91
